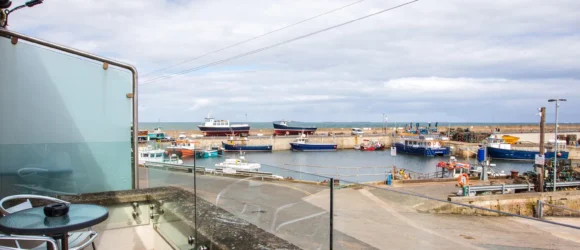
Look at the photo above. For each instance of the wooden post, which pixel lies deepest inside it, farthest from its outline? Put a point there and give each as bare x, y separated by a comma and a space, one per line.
542, 149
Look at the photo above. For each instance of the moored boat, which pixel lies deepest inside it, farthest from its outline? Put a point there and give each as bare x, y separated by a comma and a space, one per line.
500, 149
370, 145
302, 144
284, 128
427, 145
212, 127
242, 145
239, 163
157, 156
207, 153
182, 148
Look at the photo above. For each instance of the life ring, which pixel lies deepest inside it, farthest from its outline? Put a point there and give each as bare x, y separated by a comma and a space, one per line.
463, 180
406, 177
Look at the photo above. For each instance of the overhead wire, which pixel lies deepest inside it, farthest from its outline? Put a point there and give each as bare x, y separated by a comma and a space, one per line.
274, 45
253, 38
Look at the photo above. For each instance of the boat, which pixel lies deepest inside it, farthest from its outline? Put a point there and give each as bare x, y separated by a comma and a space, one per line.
142, 135
301, 144
157, 135
157, 155
370, 145
239, 163
212, 127
498, 148
453, 168
182, 148
242, 145
283, 128
207, 153
426, 145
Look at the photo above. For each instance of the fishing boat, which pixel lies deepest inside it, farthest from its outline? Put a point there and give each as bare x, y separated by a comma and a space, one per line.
212, 127
426, 145
182, 148
142, 135
284, 128
453, 168
370, 145
158, 156
206, 153
301, 144
239, 163
157, 135
498, 148
242, 145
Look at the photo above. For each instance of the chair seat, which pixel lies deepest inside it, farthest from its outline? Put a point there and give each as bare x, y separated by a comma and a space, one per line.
76, 239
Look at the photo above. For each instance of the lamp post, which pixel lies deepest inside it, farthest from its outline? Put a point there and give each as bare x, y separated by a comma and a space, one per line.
557, 101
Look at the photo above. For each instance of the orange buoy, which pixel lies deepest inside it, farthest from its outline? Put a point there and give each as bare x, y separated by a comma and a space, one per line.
463, 180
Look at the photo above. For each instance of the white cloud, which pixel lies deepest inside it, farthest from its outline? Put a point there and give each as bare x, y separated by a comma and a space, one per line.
432, 60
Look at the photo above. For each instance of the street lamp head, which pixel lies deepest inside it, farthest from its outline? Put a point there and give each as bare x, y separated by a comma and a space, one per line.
562, 100
552, 100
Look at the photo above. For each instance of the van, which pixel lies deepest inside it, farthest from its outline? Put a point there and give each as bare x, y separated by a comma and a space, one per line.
356, 131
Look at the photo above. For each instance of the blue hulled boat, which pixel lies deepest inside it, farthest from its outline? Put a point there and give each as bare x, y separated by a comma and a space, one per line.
499, 149
302, 144
241, 145
422, 145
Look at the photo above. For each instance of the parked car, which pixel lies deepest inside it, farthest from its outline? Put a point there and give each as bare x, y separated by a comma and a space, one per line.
356, 131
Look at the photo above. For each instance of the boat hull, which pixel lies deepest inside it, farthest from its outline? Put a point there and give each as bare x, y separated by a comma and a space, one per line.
237, 147
313, 147
206, 154
401, 148
223, 131
511, 154
181, 152
280, 129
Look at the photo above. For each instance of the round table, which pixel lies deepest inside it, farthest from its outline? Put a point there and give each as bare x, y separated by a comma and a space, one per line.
33, 221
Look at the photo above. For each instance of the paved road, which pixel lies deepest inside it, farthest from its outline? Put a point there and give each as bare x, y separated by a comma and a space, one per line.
366, 218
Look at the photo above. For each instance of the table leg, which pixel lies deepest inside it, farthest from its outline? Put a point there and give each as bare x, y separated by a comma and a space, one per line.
64, 242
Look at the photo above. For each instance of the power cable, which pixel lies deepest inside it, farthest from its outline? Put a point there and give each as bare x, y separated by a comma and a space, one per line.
273, 45
253, 38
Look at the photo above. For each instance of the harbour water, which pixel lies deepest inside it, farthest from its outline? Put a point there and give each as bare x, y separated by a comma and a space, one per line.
350, 165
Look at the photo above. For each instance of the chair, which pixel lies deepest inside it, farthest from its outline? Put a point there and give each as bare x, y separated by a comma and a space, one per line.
76, 240
23, 239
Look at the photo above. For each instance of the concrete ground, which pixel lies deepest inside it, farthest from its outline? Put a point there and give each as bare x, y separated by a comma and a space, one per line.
367, 218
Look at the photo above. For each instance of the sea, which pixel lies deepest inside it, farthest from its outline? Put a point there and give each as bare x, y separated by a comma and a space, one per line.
348, 165
268, 125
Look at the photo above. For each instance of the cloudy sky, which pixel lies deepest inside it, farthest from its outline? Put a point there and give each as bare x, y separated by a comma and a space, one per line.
451, 60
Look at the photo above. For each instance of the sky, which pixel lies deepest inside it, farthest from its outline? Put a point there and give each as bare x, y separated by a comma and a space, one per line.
453, 60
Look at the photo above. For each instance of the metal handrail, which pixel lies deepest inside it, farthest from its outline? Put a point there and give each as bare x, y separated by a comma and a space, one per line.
12, 34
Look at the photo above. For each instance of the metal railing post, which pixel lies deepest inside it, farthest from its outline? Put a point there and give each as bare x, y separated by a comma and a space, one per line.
331, 213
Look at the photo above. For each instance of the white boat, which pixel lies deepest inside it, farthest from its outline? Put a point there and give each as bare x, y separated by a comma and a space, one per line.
238, 164
157, 155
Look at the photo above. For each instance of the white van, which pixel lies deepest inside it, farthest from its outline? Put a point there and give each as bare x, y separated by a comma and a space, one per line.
356, 131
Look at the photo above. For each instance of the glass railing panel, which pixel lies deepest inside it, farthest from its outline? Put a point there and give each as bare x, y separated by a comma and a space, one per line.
385, 217
173, 214
66, 122
285, 204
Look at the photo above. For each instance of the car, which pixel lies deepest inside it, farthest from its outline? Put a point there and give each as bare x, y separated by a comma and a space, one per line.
356, 131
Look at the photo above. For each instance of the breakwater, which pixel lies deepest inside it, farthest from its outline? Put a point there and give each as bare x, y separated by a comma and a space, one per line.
283, 142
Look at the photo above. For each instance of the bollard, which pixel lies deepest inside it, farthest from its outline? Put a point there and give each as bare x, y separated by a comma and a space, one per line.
540, 209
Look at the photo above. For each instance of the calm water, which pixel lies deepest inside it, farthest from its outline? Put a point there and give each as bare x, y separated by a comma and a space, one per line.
268, 125
346, 163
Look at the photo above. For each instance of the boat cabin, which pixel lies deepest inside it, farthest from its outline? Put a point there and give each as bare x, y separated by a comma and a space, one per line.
210, 122
156, 134
423, 141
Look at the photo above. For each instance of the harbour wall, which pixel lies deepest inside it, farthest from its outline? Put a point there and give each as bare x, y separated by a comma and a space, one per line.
283, 142
521, 203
